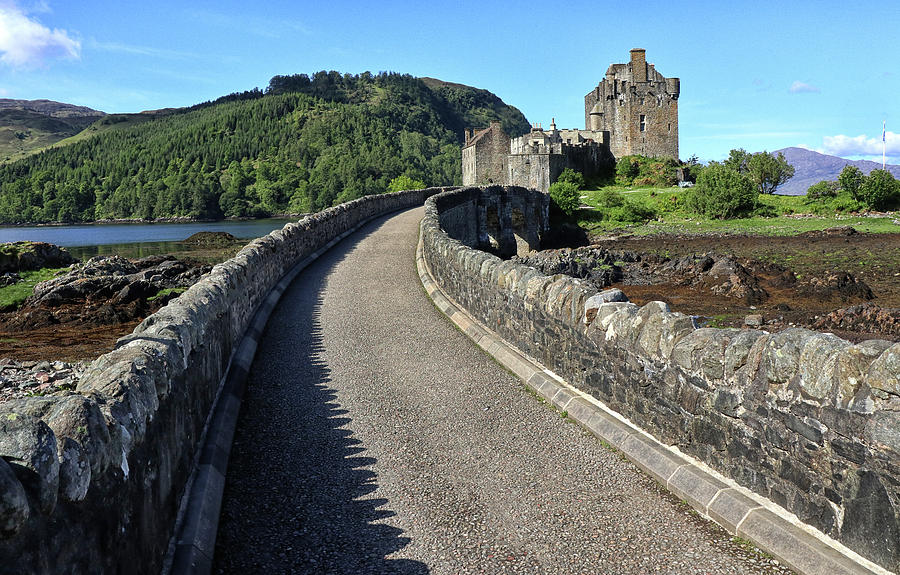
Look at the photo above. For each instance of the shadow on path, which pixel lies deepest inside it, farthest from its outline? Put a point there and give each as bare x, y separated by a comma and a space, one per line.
298, 491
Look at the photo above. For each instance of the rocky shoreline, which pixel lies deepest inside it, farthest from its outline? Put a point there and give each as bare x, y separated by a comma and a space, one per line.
81, 311
20, 379
756, 293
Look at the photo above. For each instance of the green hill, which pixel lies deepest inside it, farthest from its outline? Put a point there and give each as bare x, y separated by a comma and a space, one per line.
29, 125
304, 144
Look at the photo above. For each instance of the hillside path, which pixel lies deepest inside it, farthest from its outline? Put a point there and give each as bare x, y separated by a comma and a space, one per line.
375, 437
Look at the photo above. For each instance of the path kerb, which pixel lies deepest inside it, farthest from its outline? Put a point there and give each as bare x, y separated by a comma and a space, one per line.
738, 510
192, 548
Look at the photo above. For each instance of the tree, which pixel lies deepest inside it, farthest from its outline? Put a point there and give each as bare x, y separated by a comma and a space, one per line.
737, 160
879, 190
404, 182
565, 196
850, 180
722, 192
767, 172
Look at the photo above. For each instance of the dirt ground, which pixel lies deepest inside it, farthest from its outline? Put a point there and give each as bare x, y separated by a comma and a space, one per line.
62, 342
872, 258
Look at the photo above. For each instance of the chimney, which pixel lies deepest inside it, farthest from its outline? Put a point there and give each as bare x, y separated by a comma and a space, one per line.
639, 65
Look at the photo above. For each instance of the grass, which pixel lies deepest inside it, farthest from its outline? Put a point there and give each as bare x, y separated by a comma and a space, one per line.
167, 291
13, 296
785, 215
751, 547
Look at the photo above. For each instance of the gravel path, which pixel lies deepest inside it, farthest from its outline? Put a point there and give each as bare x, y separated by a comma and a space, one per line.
376, 438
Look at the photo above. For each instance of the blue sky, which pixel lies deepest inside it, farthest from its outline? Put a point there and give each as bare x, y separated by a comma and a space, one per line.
766, 75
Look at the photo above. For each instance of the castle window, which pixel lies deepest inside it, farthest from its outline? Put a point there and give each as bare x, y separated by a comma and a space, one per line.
643, 122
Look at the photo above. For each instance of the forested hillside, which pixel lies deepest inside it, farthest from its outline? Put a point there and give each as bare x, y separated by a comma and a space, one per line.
304, 144
26, 125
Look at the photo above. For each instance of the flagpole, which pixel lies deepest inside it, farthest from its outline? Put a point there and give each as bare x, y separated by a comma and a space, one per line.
883, 142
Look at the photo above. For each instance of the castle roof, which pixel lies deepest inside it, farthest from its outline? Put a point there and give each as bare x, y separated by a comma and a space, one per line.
478, 135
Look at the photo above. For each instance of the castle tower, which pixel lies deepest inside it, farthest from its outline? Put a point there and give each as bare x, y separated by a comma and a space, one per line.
639, 65
639, 108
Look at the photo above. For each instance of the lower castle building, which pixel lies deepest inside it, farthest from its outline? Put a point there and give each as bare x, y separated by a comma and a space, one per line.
634, 110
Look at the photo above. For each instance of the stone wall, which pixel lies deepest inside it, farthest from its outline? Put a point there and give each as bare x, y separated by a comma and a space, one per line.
806, 419
484, 156
506, 220
90, 481
540, 169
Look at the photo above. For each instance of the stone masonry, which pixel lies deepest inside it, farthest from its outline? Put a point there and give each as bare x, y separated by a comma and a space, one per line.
806, 419
484, 156
91, 480
634, 110
639, 108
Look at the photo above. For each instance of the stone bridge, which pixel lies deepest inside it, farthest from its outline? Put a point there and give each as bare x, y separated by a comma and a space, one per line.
364, 433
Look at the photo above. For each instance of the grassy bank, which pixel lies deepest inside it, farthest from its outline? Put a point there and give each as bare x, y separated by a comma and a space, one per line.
14, 295
667, 213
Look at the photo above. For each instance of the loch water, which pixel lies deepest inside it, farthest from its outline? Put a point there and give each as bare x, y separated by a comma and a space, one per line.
134, 240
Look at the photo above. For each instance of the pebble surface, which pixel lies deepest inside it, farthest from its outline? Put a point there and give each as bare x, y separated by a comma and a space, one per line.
375, 437
20, 379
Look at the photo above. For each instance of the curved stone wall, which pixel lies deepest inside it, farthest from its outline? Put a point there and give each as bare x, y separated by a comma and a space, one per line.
805, 419
91, 481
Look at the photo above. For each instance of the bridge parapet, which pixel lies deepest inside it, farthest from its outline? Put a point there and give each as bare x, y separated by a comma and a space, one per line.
504, 220
806, 419
91, 482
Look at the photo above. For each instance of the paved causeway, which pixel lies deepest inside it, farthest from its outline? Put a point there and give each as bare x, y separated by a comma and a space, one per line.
376, 438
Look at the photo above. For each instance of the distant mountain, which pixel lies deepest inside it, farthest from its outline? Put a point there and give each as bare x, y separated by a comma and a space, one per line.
812, 167
28, 125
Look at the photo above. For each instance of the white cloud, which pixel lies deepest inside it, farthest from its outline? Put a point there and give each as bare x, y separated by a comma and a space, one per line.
25, 42
841, 145
799, 87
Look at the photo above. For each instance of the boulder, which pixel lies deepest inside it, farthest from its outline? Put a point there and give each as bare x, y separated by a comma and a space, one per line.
21, 256
29, 446
14, 510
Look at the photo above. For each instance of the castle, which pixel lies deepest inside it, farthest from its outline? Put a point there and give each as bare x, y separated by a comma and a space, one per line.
633, 110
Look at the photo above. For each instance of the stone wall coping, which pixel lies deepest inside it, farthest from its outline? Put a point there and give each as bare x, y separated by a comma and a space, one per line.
159, 381
820, 432
716, 497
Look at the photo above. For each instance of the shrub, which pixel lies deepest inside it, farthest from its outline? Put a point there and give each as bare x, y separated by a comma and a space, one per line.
634, 212
722, 193
879, 190
627, 169
643, 171
565, 196
610, 199
822, 190
571, 176
692, 172
613, 206
845, 203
